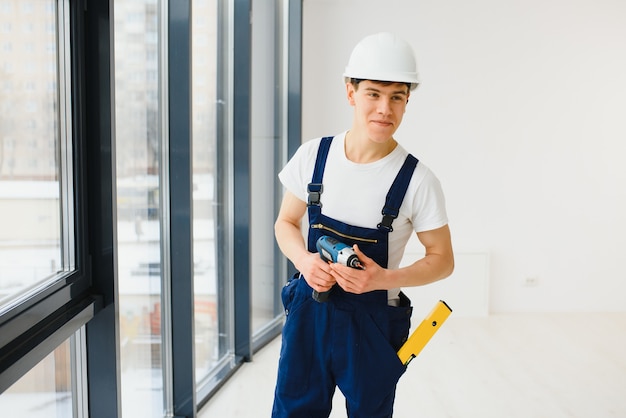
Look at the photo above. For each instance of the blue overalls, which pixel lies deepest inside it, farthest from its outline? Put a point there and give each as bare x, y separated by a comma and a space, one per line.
351, 340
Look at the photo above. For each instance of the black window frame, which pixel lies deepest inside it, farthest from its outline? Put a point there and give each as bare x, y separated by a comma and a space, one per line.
37, 325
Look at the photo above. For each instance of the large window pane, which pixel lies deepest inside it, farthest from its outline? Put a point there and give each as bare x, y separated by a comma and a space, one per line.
30, 149
210, 301
138, 205
45, 391
265, 143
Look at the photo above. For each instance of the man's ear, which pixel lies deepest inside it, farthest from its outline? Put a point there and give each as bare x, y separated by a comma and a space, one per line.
350, 93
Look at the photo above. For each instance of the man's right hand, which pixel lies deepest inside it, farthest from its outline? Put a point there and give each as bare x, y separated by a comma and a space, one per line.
316, 272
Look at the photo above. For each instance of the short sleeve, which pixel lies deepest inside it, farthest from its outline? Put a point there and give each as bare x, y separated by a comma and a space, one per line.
296, 174
429, 206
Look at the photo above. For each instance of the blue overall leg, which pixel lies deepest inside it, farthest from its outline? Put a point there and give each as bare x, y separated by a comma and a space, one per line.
305, 384
368, 334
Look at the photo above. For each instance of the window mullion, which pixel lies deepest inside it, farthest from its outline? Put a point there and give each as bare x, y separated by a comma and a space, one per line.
65, 138
179, 178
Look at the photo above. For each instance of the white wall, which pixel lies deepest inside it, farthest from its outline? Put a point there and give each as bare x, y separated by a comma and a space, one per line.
522, 115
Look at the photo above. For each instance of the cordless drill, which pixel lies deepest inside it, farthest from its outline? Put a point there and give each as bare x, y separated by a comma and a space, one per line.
335, 251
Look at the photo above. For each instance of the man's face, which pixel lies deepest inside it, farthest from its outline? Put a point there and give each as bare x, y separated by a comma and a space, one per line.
378, 107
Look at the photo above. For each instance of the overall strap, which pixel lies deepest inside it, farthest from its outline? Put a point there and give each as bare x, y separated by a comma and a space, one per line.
315, 187
396, 193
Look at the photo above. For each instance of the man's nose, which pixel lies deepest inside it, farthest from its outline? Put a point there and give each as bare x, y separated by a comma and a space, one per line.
384, 106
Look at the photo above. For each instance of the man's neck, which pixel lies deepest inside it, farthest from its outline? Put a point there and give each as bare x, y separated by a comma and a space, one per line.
362, 150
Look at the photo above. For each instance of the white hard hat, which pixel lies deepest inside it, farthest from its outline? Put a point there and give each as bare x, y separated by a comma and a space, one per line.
383, 57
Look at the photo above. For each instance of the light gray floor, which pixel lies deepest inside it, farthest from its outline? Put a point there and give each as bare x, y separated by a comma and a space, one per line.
501, 366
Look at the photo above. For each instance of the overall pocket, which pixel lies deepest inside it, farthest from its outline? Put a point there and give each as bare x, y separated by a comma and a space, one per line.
397, 322
377, 367
296, 353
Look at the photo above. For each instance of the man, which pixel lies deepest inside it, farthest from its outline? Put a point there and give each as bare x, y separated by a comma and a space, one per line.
341, 184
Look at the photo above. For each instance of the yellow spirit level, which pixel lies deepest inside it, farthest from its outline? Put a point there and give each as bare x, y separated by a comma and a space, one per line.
424, 332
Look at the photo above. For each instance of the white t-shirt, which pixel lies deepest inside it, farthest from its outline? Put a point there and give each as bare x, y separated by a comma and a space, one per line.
355, 193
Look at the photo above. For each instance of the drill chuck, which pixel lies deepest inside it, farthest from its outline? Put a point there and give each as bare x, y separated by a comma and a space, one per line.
348, 259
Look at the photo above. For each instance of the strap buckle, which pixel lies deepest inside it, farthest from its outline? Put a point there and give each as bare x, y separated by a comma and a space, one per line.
386, 222
315, 191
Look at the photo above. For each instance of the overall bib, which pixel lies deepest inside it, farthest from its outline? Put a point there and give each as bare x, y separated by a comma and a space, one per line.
351, 340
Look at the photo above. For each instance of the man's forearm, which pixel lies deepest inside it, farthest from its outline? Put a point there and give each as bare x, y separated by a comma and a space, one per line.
437, 264
290, 241
431, 268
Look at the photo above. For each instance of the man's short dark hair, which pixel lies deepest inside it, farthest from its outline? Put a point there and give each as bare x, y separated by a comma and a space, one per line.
355, 82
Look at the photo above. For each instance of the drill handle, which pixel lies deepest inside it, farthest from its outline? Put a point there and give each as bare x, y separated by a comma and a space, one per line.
321, 297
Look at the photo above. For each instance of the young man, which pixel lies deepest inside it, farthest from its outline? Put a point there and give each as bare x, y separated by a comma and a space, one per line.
342, 184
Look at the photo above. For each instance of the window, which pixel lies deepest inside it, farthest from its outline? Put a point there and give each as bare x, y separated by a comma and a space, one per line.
211, 279
36, 227
139, 236
46, 390
266, 142
91, 230
43, 275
